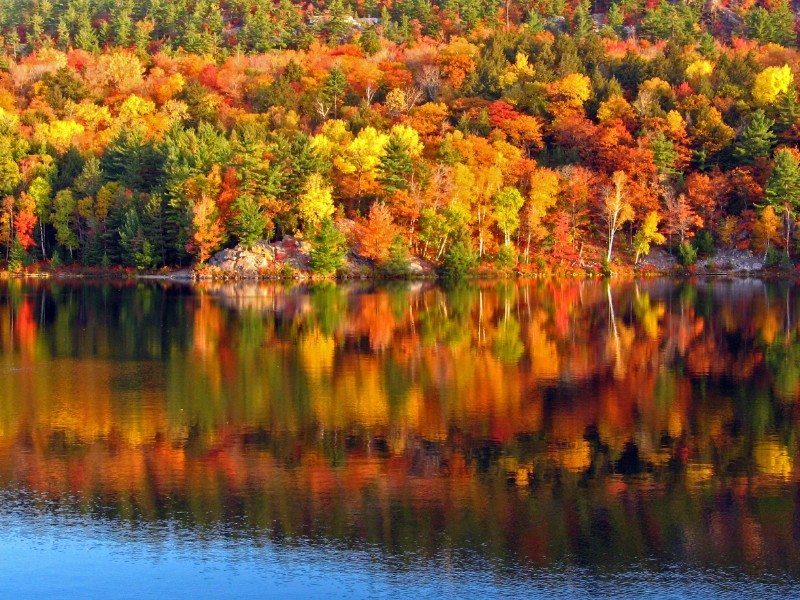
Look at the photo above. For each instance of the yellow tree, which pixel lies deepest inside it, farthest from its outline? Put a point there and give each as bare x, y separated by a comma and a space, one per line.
648, 234
771, 83
545, 186
766, 229
60, 134
120, 71
315, 203
361, 157
569, 94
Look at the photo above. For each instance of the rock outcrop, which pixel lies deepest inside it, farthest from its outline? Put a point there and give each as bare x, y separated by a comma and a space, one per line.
723, 261
247, 263
265, 259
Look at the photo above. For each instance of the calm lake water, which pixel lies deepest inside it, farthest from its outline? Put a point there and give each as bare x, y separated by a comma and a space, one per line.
560, 439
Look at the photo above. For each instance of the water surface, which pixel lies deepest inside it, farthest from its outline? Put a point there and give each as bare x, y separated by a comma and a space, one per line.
538, 439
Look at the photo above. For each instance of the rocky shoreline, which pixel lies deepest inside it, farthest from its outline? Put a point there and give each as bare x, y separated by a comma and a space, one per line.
290, 257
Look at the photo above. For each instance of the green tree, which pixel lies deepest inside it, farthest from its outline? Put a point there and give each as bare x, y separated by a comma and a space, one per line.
335, 86
787, 110
757, 24
460, 258
152, 211
664, 154
328, 250
615, 19
136, 249
64, 220
133, 160
398, 260
582, 23
9, 171
507, 204
396, 168
41, 191
370, 42
18, 258
776, 26
250, 222
783, 189
756, 139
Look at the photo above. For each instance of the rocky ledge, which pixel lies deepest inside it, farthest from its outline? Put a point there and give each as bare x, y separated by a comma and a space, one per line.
723, 261
265, 259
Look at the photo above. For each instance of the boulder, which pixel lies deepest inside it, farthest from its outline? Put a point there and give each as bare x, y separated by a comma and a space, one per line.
246, 263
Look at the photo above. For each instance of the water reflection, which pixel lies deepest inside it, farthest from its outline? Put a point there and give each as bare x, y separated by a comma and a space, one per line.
538, 424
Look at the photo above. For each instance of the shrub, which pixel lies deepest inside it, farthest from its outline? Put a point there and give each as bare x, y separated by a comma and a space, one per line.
18, 257
703, 243
328, 250
286, 272
459, 260
506, 258
56, 262
776, 259
687, 255
397, 263
605, 267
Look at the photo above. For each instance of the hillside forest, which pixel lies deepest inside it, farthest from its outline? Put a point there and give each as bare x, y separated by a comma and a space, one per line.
517, 134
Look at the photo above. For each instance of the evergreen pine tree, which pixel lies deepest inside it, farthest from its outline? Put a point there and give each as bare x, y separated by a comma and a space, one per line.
787, 110
397, 263
396, 167
781, 25
783, 189
615, 19
329, 249
335, 85
756, 140
582, 20
250, 221
460, 258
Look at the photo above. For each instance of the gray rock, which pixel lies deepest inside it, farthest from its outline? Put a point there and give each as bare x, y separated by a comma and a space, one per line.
241, 262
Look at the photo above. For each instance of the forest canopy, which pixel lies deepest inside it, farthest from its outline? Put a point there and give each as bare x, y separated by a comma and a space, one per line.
154, 133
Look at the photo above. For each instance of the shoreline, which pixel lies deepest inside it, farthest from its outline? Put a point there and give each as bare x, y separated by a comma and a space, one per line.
188, 275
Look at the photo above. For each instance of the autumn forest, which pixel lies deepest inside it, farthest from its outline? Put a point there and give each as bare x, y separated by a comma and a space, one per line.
463, 132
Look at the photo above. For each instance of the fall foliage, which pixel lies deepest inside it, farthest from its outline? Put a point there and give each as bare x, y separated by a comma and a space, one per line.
181, 132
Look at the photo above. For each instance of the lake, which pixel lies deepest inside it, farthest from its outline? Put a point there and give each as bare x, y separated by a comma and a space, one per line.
404, 440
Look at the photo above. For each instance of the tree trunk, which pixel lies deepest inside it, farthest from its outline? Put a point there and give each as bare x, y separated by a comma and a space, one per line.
612, 230
528, 249
787, 217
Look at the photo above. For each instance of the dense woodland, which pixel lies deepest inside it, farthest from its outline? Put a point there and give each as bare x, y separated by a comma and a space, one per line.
151, 134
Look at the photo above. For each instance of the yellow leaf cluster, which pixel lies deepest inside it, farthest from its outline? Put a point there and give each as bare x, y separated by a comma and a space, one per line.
410, 139
316, 202
519, 70
699, 68
60, 134
135, 107
616, 107
771, 83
